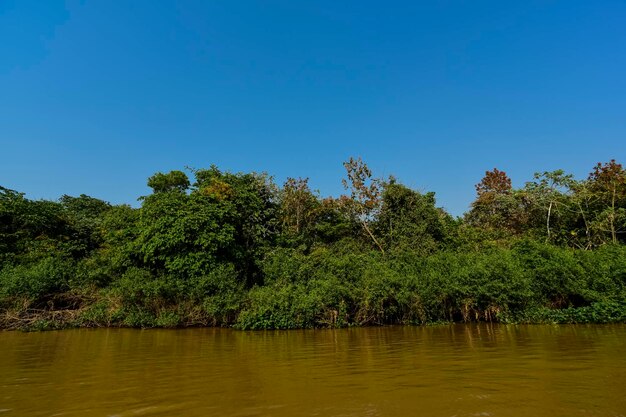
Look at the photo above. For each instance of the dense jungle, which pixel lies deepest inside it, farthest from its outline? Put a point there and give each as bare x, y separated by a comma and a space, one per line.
210, 247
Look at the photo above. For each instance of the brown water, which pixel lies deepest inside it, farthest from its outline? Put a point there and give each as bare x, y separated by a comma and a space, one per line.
458, 370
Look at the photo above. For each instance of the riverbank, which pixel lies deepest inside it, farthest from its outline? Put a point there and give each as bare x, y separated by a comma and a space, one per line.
236, 250
102, 315
526, 283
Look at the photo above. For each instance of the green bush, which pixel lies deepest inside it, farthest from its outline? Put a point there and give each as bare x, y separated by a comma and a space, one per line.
283, 307
558, 279
220, 293
600, 312
36, 281
605, 271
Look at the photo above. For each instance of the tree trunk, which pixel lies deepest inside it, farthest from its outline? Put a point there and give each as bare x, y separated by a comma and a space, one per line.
367, 229
548, 220
612, 217
587, 234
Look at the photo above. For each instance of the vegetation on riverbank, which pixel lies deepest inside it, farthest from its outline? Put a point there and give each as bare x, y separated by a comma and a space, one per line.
237, 250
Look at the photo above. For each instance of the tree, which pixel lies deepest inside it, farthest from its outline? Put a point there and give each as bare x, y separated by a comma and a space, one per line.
172, 181
365, 195
298, 207
225, 218
551, 192
31, 228
584, 200
13, 206
253, 198
409, 219
497, 206
184, 235
608, 182
493, 183
84, 216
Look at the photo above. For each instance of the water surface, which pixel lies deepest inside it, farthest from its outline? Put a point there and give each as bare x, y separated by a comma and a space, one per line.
458, 370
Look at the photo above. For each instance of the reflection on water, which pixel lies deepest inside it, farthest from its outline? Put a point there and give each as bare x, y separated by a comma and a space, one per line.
459, 370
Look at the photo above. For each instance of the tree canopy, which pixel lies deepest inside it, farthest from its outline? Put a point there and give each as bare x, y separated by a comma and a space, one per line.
213, 247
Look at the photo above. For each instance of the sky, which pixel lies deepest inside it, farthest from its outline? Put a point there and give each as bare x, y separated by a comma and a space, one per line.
96, 96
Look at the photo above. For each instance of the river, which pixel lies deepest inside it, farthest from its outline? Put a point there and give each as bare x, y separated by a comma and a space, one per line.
456, 370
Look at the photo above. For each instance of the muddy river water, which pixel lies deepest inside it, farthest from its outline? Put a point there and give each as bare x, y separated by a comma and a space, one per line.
456, 370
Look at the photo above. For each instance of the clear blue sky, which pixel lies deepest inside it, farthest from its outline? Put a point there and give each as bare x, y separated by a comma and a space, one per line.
95, 96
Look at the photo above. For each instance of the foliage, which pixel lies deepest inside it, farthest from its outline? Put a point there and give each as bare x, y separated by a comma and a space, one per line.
234, 249
37, 281
409, 220
172, 181
365, 200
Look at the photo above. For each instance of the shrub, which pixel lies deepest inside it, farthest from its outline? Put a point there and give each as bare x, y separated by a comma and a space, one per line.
36, 281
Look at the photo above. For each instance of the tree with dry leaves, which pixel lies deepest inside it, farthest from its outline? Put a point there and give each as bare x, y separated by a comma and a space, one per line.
365, 198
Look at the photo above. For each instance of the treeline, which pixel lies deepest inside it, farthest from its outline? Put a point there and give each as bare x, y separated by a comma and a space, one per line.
235, 249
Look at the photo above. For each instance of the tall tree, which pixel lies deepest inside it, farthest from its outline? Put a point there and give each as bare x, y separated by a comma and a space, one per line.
608, 182
253, 198
497, 206
84, 216
172, 181
494, 182
365, 196
298, 208
409, 220
551, 192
